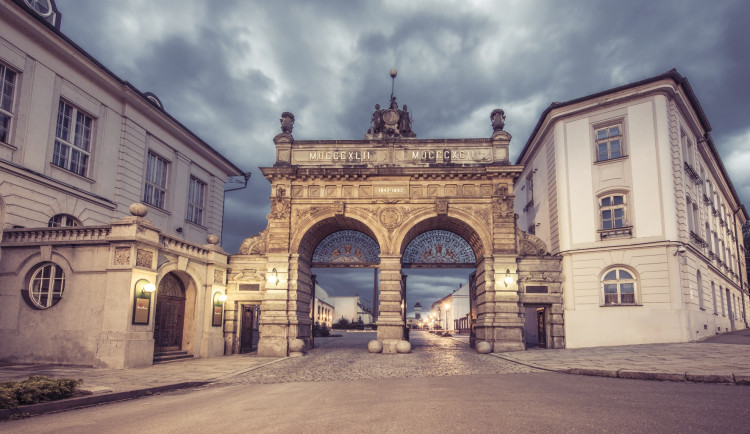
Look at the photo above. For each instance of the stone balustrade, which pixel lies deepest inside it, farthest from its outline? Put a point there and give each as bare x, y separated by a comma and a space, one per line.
182, 247
56, 235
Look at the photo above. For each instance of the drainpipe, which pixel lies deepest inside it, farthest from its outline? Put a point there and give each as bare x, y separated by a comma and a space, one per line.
246, 176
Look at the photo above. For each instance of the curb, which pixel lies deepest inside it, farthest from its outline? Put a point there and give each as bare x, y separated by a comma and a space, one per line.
91, 400
632, 374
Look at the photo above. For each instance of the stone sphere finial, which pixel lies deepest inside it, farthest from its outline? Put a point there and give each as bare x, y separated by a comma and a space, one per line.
138, 209
212, 239
375, 346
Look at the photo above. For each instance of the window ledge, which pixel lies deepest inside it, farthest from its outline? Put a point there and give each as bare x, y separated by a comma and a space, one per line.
196, 225
623, 232
621, 305
611, 160
57, 168
9, 146
157, 209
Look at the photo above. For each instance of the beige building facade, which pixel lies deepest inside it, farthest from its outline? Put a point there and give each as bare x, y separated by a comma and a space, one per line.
85, 277
627, 188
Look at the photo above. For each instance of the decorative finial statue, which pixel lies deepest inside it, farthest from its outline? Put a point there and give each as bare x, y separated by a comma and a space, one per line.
390, 122
377, 120
287, 122
498, 119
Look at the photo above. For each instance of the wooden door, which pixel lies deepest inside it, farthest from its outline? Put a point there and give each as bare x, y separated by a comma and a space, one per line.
170, 315
246, 333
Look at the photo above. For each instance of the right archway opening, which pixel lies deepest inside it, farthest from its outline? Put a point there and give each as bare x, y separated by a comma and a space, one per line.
443, 258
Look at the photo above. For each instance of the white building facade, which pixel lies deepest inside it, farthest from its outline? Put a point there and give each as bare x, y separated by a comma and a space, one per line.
78, 146
627, 187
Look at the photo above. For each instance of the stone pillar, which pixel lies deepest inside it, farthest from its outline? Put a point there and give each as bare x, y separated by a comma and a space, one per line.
274, 320
507, 327
300, 293
390, 322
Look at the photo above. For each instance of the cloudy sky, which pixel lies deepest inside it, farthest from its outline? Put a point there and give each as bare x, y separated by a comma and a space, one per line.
228, 68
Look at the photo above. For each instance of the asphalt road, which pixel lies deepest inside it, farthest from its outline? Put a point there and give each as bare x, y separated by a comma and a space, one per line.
441, 386
530, 402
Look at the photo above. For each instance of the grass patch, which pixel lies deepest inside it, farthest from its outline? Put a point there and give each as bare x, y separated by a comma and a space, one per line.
36, 389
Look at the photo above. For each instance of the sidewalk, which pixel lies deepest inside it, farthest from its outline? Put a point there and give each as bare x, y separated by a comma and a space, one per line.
721, 359
107, 385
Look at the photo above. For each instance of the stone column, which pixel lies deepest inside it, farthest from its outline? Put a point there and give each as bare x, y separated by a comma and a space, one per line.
507, 327
274, 319
300, 293
390, 322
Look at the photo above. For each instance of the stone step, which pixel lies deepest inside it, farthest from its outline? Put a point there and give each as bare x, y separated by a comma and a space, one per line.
168, 356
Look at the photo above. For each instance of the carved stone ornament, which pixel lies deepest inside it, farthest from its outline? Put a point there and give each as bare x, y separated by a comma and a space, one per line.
338, 207
280, 208
144, 258
287, 122
441, 206
219, 277
255, 245
530, 245
502, 208
498, 119
390, 217
122, 255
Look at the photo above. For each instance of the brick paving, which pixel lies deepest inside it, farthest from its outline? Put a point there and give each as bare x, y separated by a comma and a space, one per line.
346, 358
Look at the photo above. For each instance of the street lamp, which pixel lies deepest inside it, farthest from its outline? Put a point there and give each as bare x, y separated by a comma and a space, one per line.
447, 306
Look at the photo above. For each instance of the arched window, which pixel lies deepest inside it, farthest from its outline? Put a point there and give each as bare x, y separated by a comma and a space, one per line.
58, 220
46, 285
619, 287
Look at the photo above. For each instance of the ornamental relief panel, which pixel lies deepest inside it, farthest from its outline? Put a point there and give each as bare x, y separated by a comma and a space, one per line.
502, 208
391, 217
279, 208
144, 258
122, 256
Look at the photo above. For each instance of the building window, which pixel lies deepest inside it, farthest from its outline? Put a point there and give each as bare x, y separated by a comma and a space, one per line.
195, 201
619, 287
73, 139
713, 295
609, 143
156, 180
7, 90
687, 148
58, 220
47, 285
529, 192
708, 238
723, 307
612, 211
700, 289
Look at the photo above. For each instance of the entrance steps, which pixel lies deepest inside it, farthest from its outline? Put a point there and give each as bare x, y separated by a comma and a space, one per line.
169, 356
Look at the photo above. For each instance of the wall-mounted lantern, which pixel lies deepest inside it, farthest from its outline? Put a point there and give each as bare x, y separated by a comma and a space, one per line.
508, 277
142, 301
273, 277
219, 299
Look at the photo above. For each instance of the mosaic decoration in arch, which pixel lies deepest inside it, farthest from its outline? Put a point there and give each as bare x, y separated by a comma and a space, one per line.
347, 247
438, 247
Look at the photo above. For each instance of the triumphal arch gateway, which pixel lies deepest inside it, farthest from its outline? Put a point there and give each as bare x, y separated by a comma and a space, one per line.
392, 201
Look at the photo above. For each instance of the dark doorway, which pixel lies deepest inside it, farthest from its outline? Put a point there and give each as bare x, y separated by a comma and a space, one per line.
249, 329
170, 314
535, 326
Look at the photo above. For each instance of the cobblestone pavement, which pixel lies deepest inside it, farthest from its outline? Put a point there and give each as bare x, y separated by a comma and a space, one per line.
346, 358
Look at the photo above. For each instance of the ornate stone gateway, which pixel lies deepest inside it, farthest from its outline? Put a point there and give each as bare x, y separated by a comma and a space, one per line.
390, 201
